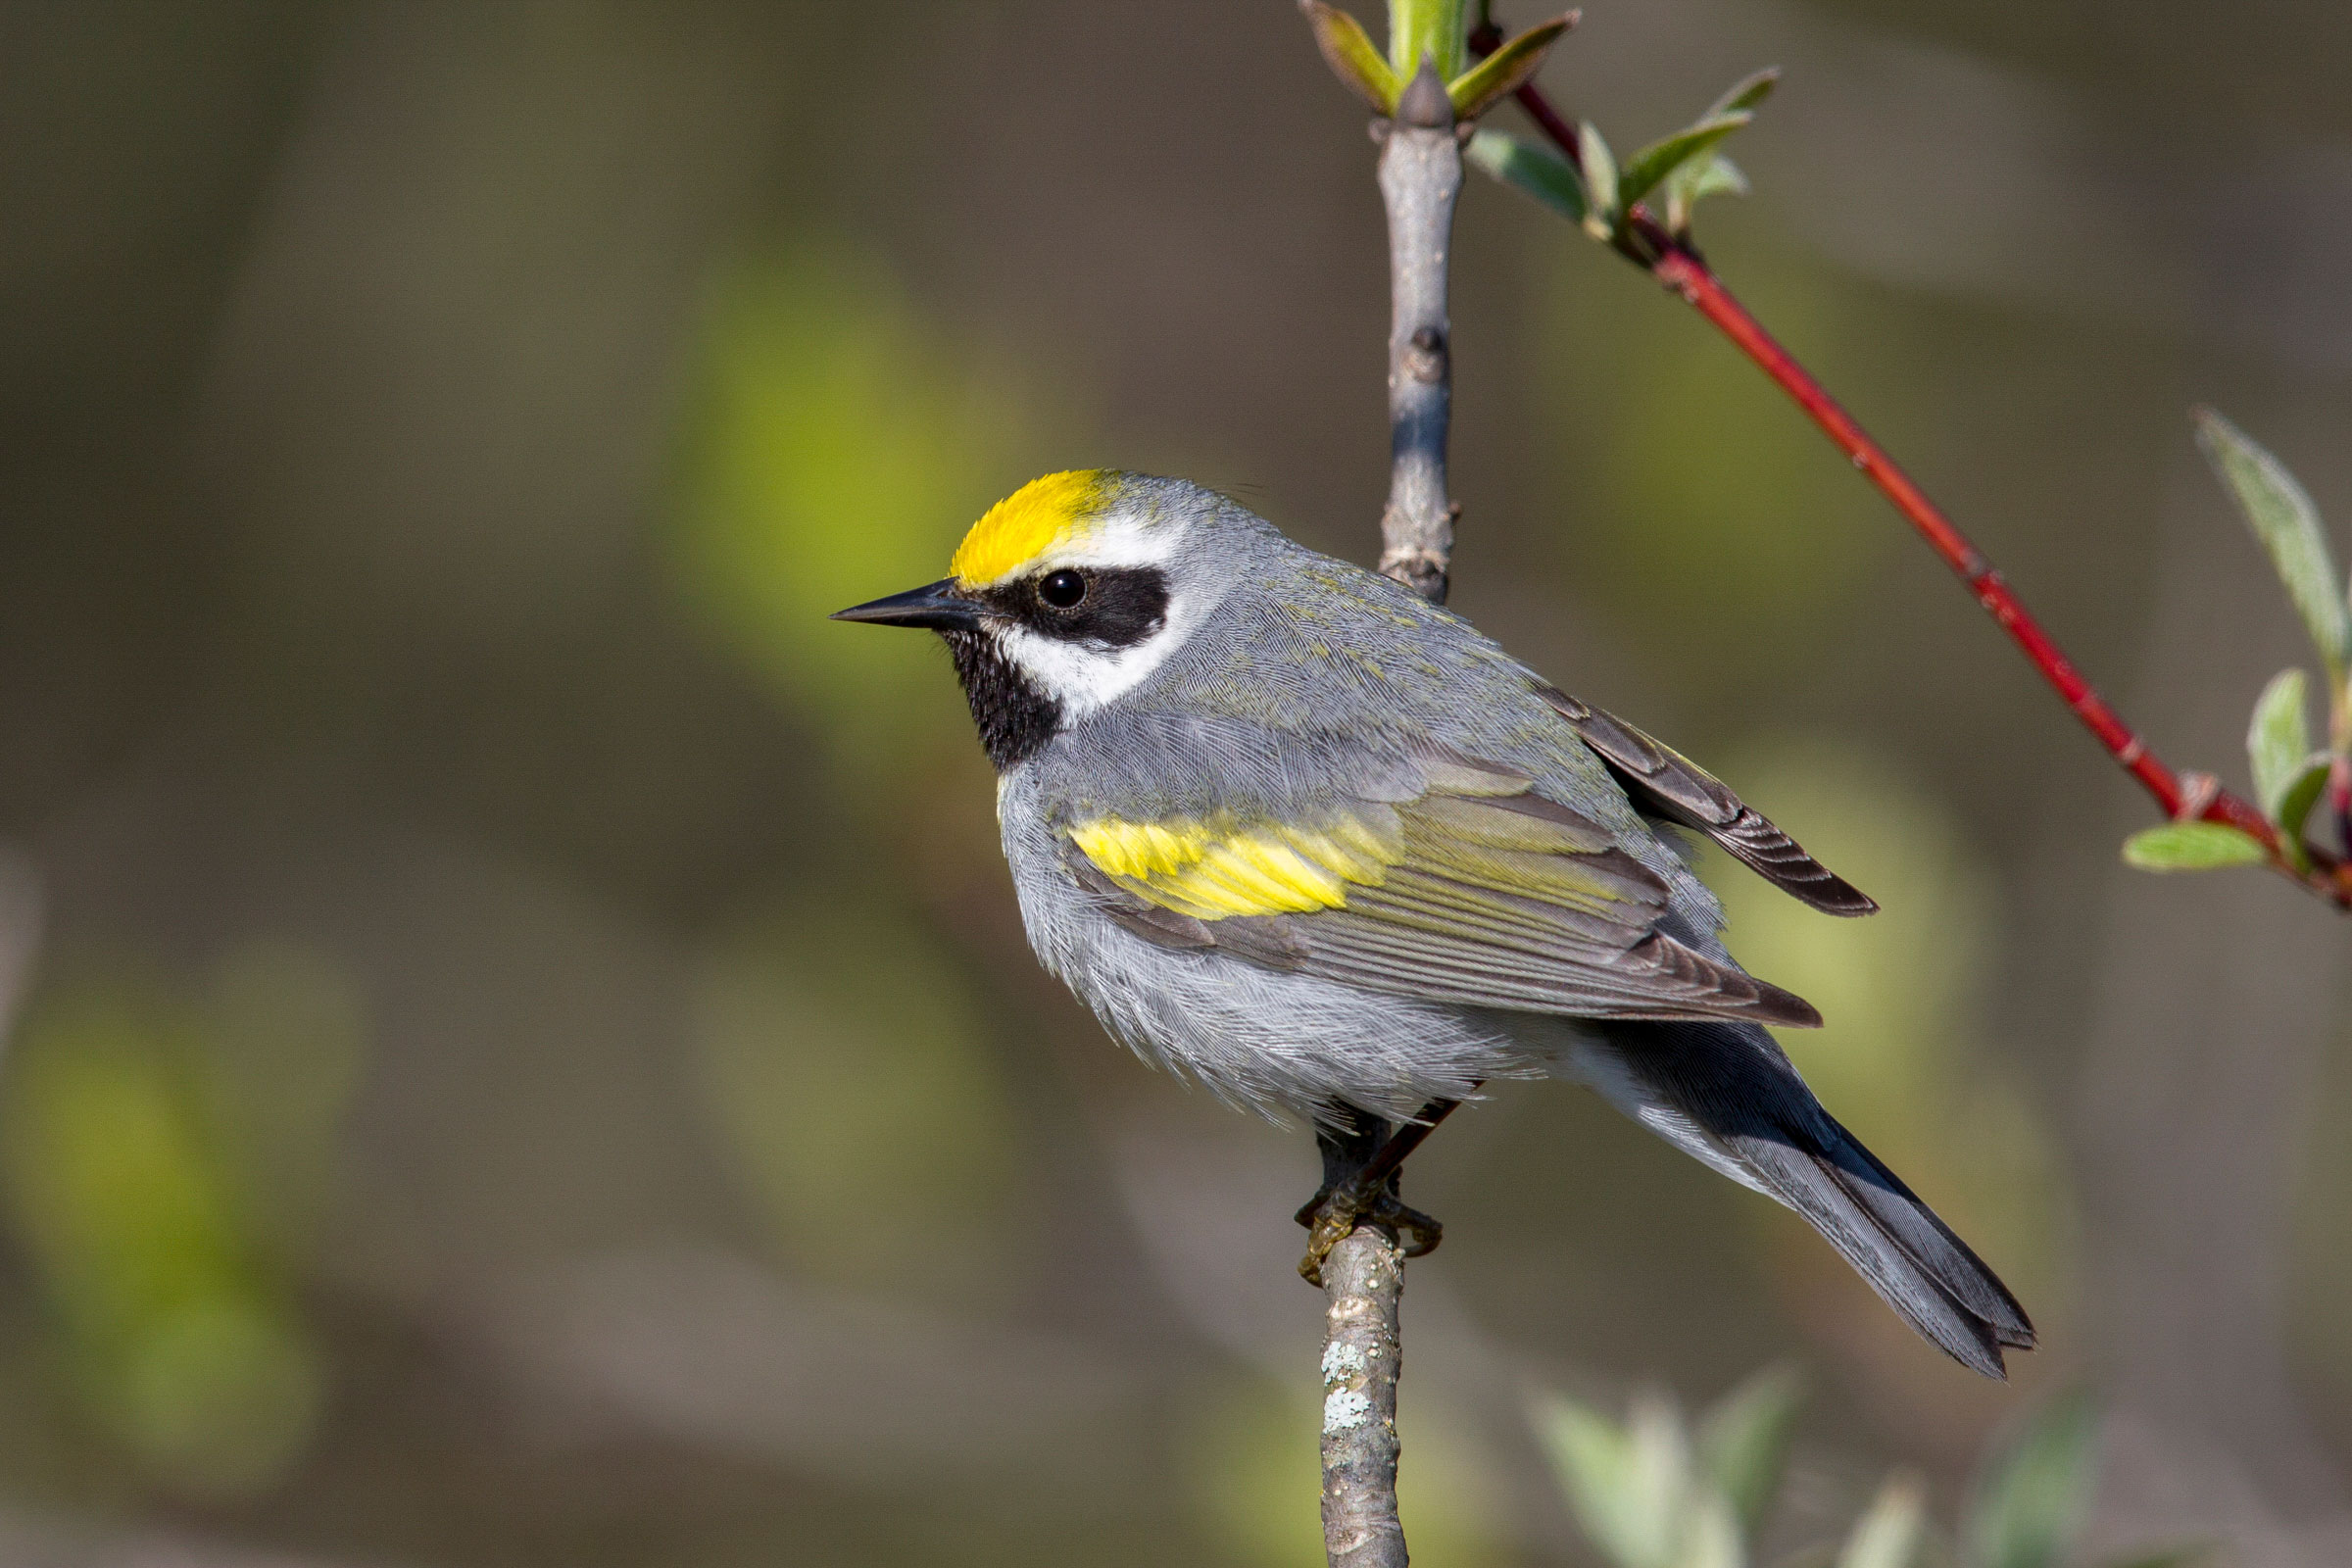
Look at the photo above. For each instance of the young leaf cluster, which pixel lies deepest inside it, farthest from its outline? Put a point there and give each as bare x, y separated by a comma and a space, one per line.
1667, 179
1428, 32
1652, 1492
2290, 770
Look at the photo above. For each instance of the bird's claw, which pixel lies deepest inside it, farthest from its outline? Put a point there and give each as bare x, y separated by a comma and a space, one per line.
1334, 1213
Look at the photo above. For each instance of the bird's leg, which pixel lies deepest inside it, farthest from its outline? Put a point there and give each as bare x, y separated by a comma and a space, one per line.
1363, 1158
1346, 1143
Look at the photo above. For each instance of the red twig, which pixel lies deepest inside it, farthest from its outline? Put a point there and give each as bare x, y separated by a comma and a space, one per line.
1675, 264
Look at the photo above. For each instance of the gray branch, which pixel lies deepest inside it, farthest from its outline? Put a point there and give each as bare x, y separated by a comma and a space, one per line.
1363, 1278
1362, 1346
1420, 175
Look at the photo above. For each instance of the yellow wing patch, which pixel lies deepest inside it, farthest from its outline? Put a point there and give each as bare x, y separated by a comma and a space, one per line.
1210, 871
1026, 524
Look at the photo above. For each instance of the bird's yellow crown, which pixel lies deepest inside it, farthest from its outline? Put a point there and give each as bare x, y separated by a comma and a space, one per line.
1041, 515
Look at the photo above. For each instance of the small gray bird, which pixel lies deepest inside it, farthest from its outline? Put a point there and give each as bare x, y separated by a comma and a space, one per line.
1291, 829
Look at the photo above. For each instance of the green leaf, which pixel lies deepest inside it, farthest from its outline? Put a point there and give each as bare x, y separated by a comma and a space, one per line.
1653, 162
1434, 30
1600, 181
1694, 178
2283, 519
2032, 1494
1530, 167
1347, 49
2279, 739
1887, 1536
1743, 1441
1506, 70
2192, 846
2295, 801
1626, 1485
1745, 93
1694, 182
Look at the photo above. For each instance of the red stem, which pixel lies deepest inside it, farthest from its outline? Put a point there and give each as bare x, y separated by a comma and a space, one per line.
2197, 797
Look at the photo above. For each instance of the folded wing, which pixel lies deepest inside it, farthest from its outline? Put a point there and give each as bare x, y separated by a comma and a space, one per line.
1477, 891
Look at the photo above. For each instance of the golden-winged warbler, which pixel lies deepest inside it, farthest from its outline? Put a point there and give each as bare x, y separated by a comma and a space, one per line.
1291, 829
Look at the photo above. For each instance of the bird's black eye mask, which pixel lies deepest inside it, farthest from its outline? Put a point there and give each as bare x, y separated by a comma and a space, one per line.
1102, 607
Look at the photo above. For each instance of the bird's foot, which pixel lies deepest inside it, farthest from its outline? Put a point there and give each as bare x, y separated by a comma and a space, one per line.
1334, 1213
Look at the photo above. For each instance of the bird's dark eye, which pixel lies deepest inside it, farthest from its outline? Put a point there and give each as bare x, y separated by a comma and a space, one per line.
1061, 589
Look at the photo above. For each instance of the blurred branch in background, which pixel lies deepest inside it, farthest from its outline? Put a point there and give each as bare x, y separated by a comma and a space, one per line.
1579, 176
19, 936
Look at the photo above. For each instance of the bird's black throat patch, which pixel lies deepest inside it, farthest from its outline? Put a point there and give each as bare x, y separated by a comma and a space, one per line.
1014, 717
1119, 608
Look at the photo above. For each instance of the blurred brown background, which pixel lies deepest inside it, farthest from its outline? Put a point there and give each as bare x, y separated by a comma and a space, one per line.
523, 1053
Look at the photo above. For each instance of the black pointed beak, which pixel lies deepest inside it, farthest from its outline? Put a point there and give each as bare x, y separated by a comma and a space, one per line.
940, 605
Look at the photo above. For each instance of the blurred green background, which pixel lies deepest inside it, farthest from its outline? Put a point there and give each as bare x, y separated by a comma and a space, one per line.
520, 1050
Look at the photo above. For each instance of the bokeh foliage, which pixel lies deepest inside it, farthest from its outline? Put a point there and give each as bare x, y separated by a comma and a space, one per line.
841, 1063
170, 1157
836, 442
1658, 1490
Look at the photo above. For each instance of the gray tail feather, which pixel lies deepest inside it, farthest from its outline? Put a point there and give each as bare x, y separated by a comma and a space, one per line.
1735, 1084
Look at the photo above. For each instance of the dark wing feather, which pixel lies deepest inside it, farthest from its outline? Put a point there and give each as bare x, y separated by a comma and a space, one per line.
1665, 783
